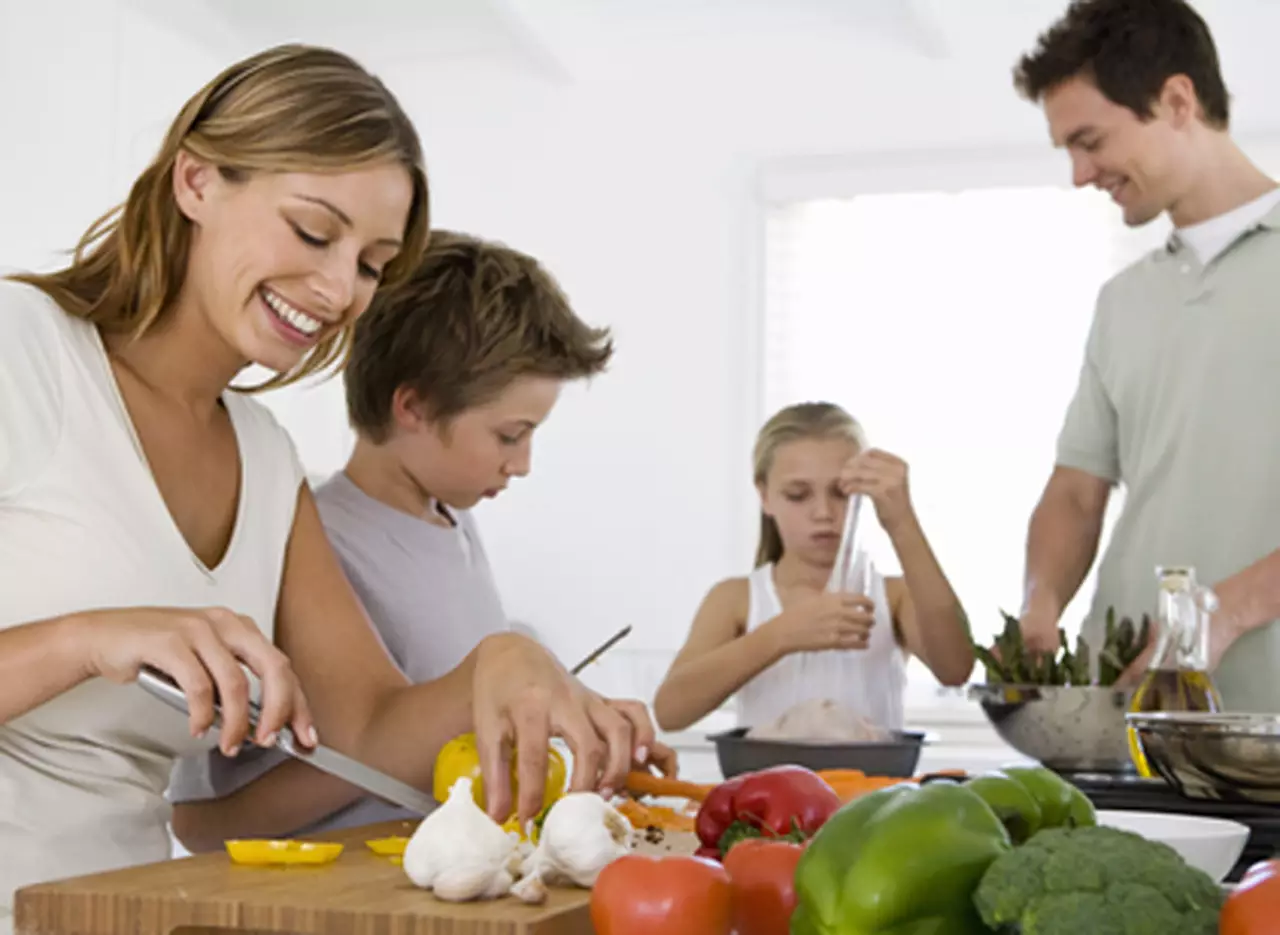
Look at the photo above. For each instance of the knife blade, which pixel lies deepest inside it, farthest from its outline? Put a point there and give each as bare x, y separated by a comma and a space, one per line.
163, 687
358, 774
601, 650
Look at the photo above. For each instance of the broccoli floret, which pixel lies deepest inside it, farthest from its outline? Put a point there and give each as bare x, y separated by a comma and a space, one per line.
1098, 880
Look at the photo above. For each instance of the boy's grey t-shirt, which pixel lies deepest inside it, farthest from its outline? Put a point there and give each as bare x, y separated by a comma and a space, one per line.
428, 589
431, 596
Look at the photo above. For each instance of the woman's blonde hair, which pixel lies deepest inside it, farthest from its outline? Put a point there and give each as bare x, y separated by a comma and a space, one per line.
293, 108
800, 421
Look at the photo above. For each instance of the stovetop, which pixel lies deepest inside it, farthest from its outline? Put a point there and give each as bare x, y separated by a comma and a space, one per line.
1130, 792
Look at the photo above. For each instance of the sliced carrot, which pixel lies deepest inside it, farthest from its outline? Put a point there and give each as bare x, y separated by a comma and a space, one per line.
643, 783
841, 775
849, 784
953, 773
849, 791
672, 820
635, 813
657, 816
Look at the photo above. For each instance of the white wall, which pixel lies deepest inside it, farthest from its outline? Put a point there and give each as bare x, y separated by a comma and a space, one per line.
620, 142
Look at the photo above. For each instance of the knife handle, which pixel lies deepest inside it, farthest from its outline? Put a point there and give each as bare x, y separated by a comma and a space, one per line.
162, 686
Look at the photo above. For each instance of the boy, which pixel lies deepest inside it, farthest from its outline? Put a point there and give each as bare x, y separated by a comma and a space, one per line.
449, 377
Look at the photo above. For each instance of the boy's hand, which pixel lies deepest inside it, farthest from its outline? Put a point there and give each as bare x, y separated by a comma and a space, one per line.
882, 477
660, 756
521, 697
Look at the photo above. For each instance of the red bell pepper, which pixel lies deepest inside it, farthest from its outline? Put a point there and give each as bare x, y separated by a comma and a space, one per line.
788, 803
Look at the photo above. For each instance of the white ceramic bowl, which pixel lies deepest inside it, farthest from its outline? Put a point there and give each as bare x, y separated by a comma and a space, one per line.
1211, 844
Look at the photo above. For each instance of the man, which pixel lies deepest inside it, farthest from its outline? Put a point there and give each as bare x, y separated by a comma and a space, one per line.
1180, 386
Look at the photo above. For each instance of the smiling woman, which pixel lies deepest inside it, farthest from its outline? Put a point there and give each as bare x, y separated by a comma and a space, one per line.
151, 515
306, 267
299, 205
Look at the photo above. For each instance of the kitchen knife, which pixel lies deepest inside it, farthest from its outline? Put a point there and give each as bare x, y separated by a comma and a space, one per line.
601, 650
321, 757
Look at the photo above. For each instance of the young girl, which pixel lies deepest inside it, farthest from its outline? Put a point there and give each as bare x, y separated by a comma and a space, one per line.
778, 637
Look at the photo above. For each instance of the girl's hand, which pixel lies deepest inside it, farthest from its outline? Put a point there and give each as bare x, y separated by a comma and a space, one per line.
825, 621
882, 477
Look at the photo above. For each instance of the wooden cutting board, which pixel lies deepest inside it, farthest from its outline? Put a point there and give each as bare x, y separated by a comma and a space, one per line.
360, 893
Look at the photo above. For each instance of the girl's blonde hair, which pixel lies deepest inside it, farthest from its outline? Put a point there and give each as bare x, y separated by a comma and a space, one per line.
800, 421
293, 108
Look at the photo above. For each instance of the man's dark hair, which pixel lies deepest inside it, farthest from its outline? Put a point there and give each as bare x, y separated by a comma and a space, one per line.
1128, 49
474, 317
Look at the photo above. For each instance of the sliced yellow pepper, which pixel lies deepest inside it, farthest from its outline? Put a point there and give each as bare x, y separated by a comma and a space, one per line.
460, 757
388, 847
261, 852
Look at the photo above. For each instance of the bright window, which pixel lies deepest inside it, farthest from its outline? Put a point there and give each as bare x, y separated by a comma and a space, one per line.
951, 323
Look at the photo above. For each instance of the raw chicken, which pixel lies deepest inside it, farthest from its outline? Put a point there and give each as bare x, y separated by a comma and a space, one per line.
819, 720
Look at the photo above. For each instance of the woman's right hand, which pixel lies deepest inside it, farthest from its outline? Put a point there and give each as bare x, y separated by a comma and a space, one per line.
203, 649
826, 621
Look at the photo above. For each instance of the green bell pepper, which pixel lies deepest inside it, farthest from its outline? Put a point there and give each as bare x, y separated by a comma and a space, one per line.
899, 861
1029, 798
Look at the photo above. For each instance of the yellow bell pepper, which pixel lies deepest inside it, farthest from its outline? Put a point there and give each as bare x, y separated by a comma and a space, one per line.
460, 757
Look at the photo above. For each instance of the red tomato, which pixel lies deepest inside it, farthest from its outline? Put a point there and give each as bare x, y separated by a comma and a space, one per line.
638, 895
1253, 908
763, 875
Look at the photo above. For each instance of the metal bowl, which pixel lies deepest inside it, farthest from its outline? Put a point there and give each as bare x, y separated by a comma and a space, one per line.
1230, 757
897, 757
1069, 729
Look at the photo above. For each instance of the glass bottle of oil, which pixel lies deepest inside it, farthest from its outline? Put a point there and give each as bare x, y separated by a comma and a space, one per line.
1177, 678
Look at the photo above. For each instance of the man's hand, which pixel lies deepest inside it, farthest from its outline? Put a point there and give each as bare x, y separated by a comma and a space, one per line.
1231, 603
1039, 625
1223, 632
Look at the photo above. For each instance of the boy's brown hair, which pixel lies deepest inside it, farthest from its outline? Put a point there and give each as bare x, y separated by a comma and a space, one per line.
471, 319
1128, 49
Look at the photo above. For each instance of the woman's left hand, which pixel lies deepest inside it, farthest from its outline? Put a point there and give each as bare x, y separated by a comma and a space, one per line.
882, 477
521, 697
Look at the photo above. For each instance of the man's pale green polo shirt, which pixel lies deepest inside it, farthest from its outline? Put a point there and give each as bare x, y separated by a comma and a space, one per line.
1179, 401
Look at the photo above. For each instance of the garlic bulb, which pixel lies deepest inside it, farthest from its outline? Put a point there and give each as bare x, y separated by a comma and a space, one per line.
459, 852
581, 835
530, 890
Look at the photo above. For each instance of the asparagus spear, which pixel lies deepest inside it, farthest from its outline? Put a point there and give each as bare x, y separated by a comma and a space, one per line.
1109, 666
1122, 643
1080, 671
996, 673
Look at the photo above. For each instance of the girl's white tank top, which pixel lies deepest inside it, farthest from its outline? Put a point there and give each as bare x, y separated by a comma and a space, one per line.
870, 682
